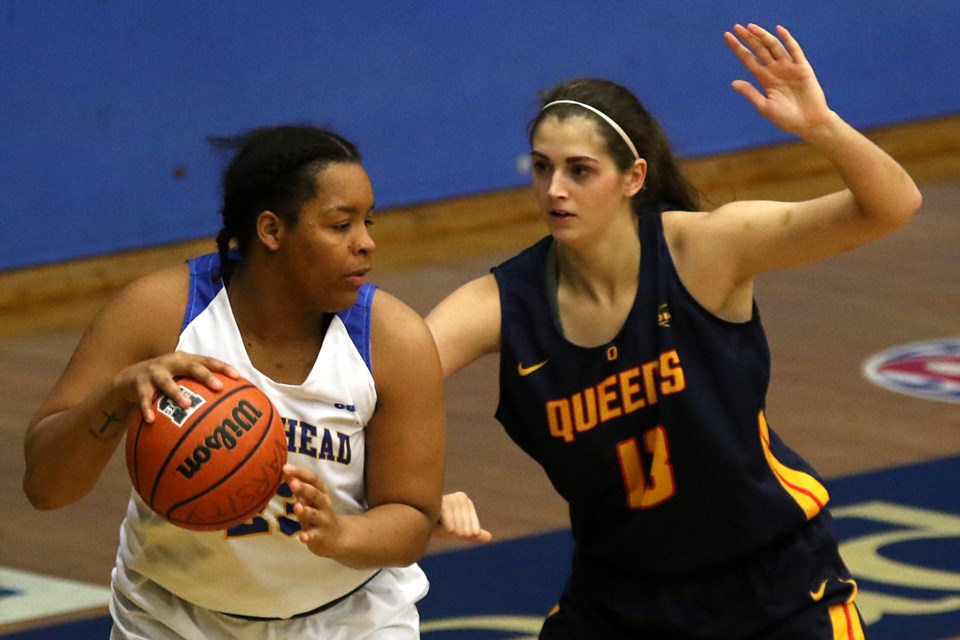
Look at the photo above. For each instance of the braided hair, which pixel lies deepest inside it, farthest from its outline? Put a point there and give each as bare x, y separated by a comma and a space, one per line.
273, 168
665, 181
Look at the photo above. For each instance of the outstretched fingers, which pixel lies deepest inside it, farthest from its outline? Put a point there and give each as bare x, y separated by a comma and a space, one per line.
745, 55
768, 43
313, 508
791, 45
756, 47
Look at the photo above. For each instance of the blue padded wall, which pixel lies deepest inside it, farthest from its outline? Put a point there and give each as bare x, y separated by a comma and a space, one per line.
105, 104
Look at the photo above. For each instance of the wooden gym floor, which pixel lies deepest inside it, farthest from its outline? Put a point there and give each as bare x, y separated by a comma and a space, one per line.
822, 322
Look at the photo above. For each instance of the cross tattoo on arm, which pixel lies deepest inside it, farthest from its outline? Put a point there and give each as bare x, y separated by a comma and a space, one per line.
104, 432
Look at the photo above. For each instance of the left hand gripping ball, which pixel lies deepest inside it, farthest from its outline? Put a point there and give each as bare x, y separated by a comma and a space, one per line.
213, 465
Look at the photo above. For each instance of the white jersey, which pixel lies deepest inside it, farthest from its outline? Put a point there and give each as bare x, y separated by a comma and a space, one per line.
260, 568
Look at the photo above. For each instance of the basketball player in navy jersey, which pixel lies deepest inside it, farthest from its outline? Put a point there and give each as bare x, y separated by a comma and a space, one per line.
634, 367
284, 303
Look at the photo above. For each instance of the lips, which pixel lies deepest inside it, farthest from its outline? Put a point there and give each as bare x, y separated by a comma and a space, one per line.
358, 277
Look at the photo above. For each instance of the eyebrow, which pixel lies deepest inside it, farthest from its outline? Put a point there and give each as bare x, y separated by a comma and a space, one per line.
346, 208
569, 160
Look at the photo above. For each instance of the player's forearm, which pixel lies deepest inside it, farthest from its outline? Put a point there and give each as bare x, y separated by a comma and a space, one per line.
66, 452
881, 187
391, 535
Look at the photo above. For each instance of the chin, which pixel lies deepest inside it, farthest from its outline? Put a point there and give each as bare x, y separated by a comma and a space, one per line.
564, 235
340, 303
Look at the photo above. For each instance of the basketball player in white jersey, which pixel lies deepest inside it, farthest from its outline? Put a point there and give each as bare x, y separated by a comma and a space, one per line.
352, 370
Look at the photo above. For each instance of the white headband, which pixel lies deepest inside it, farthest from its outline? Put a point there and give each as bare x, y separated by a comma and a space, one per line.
606, 118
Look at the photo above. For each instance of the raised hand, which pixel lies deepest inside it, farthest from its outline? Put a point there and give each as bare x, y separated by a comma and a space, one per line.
792, 98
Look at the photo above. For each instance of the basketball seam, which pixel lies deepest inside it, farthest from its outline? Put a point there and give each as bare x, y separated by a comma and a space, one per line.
159, 476
223, 479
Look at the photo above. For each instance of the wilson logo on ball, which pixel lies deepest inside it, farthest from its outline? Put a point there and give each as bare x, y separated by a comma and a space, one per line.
242, 419
212, 465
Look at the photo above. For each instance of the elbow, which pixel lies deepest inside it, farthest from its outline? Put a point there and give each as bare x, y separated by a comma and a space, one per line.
38, 492
912, 202
908, 204
916, 201
419, 541
899, 211
45, 496
417, 551
39, 499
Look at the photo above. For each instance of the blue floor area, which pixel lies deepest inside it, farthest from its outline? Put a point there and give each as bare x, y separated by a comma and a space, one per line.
899, 530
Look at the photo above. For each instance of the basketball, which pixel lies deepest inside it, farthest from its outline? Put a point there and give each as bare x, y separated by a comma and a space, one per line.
212, 465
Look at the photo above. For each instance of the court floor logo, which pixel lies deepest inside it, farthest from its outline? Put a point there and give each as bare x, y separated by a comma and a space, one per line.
905, 562
924, 369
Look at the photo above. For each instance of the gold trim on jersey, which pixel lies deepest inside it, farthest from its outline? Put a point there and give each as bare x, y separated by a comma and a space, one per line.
846, 622
806, 491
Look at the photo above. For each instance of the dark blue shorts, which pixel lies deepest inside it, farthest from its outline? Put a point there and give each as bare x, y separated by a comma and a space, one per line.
796, 587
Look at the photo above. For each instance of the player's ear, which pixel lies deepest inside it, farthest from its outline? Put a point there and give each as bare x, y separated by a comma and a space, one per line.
269, 229
635, 176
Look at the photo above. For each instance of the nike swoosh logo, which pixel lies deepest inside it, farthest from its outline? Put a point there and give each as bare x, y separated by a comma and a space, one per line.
525, 371
817, 595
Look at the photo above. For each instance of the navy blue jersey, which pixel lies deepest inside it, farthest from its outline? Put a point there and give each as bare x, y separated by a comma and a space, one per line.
657, 440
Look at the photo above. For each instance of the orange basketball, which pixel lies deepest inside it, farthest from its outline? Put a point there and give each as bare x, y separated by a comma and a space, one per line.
213, 465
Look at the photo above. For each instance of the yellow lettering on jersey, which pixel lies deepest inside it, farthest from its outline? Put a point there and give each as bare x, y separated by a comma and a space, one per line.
650, 380
630, 391
558, 418
671, 373
617, 395
607, 393
585, 410
645, 490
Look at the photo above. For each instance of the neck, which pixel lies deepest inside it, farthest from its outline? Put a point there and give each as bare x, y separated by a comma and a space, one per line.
602, 269
265, 312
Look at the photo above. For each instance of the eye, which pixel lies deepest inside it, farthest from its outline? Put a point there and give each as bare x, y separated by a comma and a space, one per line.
540, 166
368, 222
579, 170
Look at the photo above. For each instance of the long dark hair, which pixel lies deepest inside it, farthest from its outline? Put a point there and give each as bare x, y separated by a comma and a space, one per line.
665, 181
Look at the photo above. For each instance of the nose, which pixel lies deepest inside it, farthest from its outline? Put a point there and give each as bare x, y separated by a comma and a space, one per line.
556, 187
363, 243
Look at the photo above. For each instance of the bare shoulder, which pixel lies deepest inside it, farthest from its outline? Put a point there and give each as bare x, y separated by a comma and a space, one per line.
399, 338
679, 221
685, 231
141, 322
702, 248
392, 319
402, 349
161, 295
147, 313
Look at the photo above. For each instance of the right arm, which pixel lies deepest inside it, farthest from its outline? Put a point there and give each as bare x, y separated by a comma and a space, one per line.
117, 367
466, 327
466, 324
